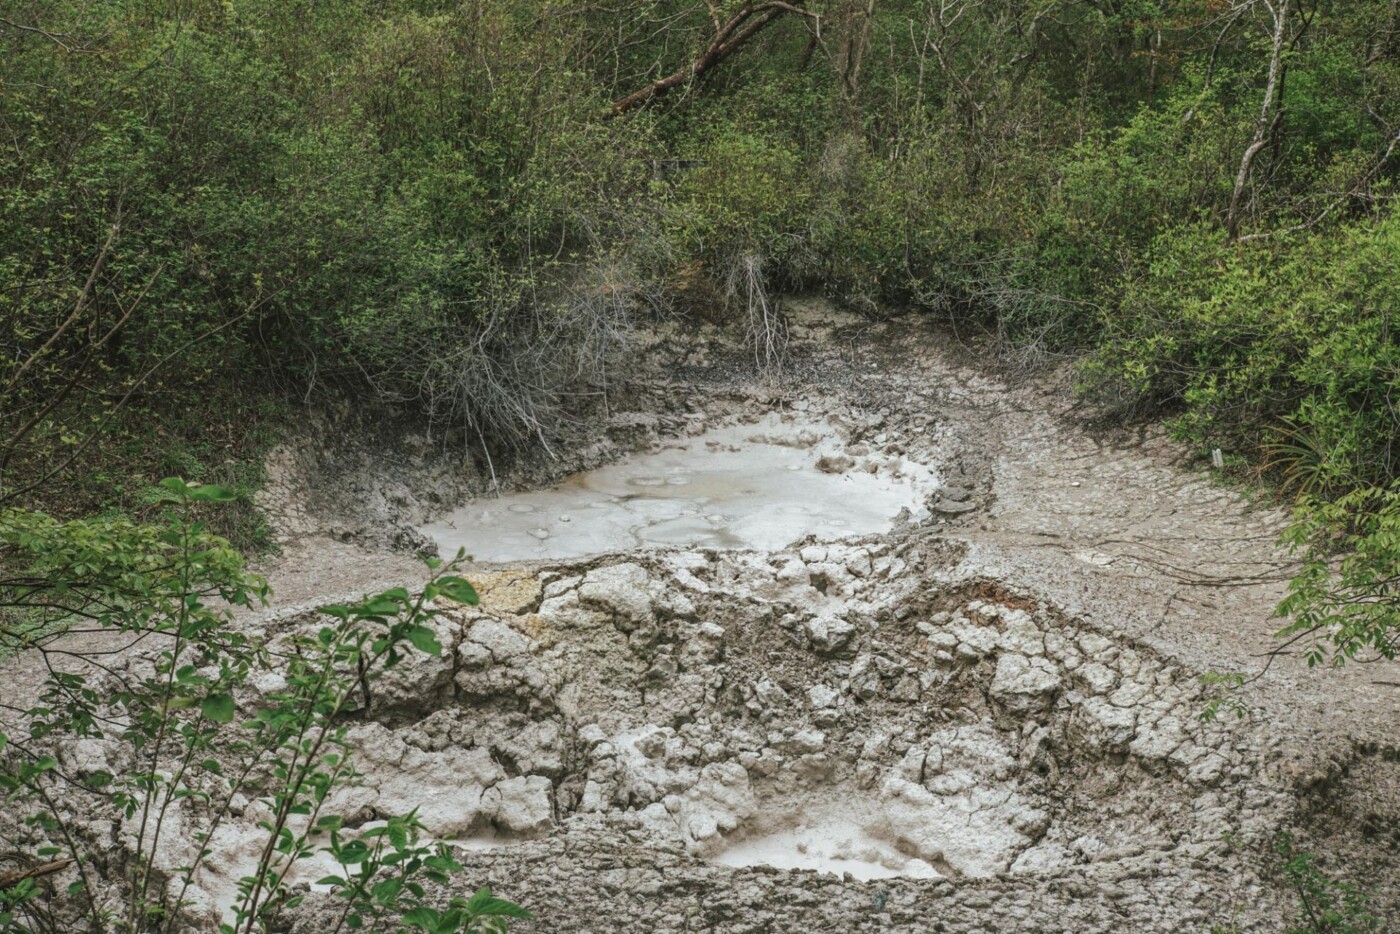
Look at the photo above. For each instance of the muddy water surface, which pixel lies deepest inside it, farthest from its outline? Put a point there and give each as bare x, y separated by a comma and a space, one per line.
832, 844
760, 486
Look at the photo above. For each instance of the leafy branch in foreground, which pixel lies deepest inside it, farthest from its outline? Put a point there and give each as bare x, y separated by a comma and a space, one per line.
1343, 603
1325, 905
140, 737
1347, 592
383, 868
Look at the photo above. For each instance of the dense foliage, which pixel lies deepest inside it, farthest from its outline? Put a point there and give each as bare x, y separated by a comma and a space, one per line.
460, 205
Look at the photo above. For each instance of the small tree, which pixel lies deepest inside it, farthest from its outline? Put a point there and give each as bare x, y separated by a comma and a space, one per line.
176, 753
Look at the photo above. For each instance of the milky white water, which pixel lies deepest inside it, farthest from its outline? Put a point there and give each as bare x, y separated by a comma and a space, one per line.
749, 486
830, 844
831, 839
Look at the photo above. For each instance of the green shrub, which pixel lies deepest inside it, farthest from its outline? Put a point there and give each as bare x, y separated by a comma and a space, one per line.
180, 756
1283, 345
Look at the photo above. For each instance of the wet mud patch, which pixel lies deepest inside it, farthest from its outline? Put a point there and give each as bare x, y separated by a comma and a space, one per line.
754, 485
833, 838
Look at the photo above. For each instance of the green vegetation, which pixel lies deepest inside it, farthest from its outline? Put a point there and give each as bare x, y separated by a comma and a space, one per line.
441, 204
214, 211
277, 199
1326, 905
250, 196
174, 736
1324, 902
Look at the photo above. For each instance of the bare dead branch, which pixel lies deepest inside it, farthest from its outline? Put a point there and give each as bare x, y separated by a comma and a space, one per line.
12, 495
727, 39
65, 41
77, 367
766, 330
10, 879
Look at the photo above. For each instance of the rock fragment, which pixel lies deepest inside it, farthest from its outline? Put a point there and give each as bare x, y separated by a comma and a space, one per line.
1023, 685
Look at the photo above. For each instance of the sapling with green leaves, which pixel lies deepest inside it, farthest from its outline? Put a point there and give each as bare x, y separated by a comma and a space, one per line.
1344, 602
176, 761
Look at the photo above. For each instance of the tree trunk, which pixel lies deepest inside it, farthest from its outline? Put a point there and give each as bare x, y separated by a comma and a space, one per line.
857, 41
1264, 124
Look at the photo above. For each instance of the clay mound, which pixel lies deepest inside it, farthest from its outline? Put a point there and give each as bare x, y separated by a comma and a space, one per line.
798, 713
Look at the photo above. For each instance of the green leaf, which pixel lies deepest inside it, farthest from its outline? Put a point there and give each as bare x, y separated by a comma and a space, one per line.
457, 589
211, 493
484, 905
352, 853
176, 485
218, 707
424, 640
386, 891
423, 918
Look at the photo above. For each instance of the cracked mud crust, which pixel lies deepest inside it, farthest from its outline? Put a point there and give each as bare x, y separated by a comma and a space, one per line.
984, 720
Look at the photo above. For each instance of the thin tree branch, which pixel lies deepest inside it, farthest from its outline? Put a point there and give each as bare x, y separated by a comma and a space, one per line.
727, 39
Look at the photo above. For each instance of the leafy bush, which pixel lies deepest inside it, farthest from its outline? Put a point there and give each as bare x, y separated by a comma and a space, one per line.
1345, 600
1326, 905
746, 195
1281, 341
177, 759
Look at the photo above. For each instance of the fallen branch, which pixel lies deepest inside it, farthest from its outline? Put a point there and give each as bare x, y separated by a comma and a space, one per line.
11, 879
727, 39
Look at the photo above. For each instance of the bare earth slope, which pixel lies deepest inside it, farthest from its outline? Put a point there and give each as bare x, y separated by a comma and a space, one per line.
989, 719
986, 718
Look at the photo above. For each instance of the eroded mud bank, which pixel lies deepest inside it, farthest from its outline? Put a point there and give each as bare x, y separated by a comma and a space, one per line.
984, 717
715, 707
976, 707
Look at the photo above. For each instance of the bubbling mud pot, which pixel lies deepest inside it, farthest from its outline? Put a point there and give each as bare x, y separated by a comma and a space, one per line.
761, 485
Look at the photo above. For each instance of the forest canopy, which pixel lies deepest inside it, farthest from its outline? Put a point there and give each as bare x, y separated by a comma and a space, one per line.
459, 207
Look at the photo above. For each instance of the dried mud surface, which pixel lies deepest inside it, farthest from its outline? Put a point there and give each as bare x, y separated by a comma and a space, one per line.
984, 720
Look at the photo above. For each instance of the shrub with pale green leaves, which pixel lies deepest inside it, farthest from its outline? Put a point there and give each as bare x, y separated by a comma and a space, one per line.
180, 747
